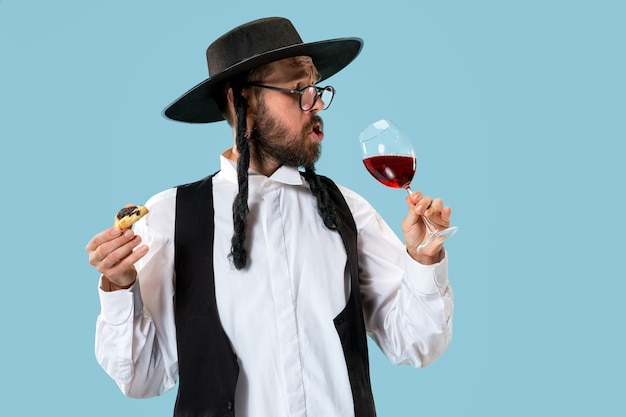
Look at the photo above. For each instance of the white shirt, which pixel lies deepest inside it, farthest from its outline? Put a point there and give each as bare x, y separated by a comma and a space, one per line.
278, 312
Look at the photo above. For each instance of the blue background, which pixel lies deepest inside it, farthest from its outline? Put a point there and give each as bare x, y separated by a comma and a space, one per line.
517, 112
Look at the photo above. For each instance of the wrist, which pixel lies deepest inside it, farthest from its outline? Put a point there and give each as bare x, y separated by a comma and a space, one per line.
107, 285
427, 258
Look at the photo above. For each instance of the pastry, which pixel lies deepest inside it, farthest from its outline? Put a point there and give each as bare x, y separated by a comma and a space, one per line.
127, 216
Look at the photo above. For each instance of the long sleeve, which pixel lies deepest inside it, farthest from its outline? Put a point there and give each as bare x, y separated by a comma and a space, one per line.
407, 306
278, 315
135, 333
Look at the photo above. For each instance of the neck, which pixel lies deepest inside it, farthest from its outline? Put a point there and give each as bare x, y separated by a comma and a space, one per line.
267, 166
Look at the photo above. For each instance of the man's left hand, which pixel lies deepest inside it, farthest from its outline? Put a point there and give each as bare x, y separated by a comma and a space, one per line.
415, 231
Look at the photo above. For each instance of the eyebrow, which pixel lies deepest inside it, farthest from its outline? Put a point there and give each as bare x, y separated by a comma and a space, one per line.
304, 73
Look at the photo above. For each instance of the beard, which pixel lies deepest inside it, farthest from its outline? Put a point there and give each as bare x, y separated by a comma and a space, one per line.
269, 139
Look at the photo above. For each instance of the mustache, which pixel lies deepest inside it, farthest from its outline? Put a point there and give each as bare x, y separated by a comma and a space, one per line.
315, 121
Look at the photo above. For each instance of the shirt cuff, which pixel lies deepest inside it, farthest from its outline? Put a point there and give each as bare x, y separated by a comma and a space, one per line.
118, 307
428, 279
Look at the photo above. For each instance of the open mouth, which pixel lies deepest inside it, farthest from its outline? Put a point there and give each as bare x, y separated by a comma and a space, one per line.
318, 130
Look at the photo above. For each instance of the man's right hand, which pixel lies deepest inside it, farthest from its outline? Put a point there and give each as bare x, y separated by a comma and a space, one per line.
114, 252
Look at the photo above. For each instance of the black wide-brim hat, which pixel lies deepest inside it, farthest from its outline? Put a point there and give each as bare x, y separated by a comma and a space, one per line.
249, 46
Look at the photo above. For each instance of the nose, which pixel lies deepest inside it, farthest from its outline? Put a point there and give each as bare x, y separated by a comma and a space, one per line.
318, 105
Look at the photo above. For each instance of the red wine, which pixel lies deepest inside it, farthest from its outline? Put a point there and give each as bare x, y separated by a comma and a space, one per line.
394, 171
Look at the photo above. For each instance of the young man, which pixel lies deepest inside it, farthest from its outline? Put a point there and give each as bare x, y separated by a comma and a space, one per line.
254, 288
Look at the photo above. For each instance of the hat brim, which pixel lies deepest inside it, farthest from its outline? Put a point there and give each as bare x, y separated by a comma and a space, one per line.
198, 105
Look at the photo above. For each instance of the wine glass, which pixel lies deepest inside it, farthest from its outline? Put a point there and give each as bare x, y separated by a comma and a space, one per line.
389, 156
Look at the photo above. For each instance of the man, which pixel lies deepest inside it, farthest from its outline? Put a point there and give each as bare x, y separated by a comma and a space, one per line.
254, 287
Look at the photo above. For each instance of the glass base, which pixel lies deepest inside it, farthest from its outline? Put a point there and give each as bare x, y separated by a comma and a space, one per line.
438, 236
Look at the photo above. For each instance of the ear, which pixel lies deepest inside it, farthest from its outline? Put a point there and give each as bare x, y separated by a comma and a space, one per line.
250, 97
230, 97
251, 103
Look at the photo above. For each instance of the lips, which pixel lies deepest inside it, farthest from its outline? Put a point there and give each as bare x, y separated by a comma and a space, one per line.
317, 133
317, 130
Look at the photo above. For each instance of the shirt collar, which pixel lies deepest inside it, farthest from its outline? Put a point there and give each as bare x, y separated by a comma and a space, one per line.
284, 174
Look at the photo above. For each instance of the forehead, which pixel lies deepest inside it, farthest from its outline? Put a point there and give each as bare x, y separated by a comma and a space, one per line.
291, 69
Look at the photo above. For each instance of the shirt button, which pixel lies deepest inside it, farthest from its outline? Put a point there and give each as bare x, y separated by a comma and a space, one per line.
266, 184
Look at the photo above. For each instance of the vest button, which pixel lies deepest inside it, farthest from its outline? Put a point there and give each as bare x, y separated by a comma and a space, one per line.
229, 406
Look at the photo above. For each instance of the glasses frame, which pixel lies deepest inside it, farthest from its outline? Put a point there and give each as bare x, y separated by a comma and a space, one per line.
318, 93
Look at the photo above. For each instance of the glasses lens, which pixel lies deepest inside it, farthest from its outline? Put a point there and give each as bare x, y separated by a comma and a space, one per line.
327, 96
308, 97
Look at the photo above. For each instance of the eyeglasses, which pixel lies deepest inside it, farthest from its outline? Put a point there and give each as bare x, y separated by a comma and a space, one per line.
308, 95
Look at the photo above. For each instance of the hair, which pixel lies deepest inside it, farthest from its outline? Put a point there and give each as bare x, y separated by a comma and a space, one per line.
221, 97
238, 250
325, 207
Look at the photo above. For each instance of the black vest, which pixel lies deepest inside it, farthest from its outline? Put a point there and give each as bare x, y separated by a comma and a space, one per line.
208, 368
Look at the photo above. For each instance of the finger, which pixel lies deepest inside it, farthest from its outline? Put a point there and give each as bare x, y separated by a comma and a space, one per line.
414, 198
411, 217
103, 237
439, 214
446, 213
114, 256
437, 209
97, 255
423, 205
125, 264
434, 208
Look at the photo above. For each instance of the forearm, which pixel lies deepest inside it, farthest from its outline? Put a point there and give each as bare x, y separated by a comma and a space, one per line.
414, 324
421, 322
127, 346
